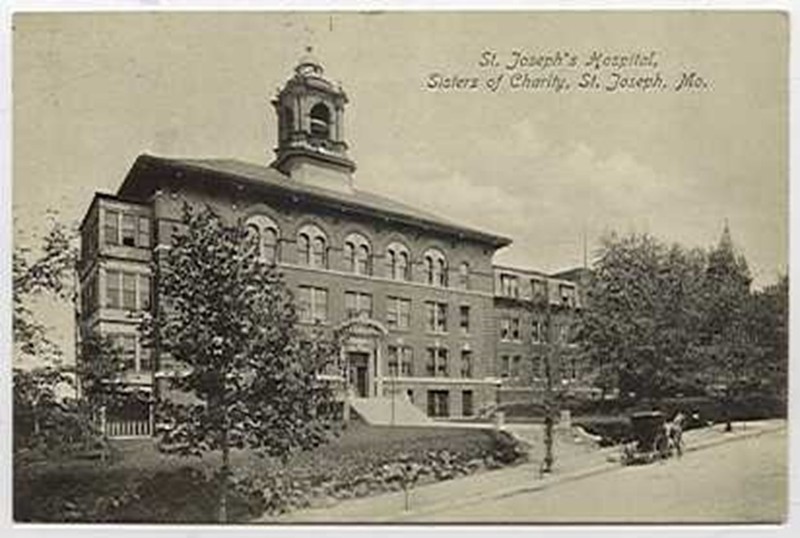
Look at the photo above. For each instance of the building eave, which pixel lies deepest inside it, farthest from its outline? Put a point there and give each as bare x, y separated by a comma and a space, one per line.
138, 184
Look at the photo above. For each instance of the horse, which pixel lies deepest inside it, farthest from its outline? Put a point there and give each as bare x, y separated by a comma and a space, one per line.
674, 433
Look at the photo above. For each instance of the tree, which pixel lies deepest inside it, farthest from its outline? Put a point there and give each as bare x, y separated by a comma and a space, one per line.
40, 417
642, 308
52, 272
725, 339
770, 330
227, 320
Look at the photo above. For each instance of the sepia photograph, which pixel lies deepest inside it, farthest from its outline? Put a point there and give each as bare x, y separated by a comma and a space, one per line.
519, 267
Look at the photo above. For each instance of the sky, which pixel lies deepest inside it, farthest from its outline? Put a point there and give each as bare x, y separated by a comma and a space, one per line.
91, 92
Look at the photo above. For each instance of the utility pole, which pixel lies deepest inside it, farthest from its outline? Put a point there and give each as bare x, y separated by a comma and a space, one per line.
547, 464
394, 388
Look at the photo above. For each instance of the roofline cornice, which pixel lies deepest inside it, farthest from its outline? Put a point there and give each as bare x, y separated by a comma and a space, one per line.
313, 198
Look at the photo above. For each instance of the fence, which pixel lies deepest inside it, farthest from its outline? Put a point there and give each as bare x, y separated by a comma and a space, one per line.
120, 428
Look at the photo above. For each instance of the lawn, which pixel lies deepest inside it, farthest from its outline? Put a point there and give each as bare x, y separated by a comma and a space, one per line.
140, 484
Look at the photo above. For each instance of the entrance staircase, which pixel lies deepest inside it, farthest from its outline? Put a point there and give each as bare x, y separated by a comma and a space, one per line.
378, 412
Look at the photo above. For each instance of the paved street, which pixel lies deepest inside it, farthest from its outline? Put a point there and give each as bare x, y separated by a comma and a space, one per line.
743, 481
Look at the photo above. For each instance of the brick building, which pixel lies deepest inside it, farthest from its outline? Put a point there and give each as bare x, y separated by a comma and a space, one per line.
428, 316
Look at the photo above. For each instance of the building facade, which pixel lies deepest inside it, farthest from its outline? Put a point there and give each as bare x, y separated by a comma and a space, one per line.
427, 315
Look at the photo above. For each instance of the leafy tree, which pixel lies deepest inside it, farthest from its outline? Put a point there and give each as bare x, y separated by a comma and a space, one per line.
769, 319
228, 322
51, 272
725, 339
40, 417
638, 327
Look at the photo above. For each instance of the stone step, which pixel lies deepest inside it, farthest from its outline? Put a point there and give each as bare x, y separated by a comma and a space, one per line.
382, 411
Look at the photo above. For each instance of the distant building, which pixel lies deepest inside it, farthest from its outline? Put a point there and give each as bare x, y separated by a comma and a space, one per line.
428, 316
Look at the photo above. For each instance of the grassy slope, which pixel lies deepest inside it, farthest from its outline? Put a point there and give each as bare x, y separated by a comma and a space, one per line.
82, 490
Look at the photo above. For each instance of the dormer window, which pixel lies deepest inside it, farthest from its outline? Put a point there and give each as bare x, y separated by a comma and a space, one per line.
321, 121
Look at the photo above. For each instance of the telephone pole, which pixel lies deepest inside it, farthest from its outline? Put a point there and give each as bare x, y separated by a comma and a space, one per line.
547, 464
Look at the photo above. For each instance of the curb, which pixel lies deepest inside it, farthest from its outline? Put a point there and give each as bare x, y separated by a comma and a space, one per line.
567, 477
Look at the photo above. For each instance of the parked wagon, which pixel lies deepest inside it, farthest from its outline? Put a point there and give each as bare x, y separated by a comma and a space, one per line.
649, 439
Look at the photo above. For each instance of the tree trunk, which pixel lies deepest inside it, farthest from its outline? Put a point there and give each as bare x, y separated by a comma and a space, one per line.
224, 472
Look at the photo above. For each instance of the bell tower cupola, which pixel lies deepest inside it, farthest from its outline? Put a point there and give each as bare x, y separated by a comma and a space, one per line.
311, 146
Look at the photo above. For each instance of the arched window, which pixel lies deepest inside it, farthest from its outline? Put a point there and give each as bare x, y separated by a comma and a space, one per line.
303, 249
312, 247
429, 270
319, 258
362, 260
320, 121
403, 266
264, 234
252, 237
358, 254
350, 256
397, 266
463, 275
269, 245
435, 267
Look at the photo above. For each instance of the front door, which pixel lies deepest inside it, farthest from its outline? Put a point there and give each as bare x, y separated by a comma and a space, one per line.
359, 373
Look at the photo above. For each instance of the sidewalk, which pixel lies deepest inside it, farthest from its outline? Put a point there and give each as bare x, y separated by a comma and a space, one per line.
570, 465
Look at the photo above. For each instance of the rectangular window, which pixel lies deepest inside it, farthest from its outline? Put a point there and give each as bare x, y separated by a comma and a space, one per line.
320, 303
392, 361
515, 366
509, 286
505, 329
438, 403
430, 363
111, 227
466, 403
400, 361
406, 361
463, 321
113, 289
126, 346
436, 364
129, 291
441, 364
312, 304
357, 304
128, 230
466, 363
436, 316
144, 232
515, 328
504, 366
144, 292
398, 313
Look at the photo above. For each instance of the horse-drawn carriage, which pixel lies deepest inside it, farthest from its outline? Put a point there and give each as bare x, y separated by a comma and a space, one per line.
652, 438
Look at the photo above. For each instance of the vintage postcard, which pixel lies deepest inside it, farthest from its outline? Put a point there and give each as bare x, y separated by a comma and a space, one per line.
277, 267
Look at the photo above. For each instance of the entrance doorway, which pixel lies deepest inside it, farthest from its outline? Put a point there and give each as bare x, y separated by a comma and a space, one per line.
359, 373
